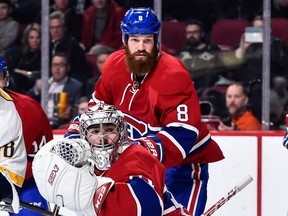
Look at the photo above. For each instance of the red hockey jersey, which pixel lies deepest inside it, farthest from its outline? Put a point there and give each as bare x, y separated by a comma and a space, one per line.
164, 107
139, 186
36, 127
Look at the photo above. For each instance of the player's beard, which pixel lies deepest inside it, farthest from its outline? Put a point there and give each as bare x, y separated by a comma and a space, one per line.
141, 66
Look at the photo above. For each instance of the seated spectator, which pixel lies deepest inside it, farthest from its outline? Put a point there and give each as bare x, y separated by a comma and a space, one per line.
25, 11
248, 67
100, 24
72, 19
9, 29
237, 9
81, 105
79, 108
60, 85
237, 105
80, 5
202, 60
28, 67
279, 9
102, 53
62, 41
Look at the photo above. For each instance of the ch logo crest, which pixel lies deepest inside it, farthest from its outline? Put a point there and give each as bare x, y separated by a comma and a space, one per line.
136, 128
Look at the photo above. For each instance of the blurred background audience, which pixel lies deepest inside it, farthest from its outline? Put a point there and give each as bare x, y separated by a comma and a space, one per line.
63, 93
101, 24
28, 63
87, 31
202, 60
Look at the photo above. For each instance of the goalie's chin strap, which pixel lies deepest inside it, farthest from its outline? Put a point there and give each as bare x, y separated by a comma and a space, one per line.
15, 201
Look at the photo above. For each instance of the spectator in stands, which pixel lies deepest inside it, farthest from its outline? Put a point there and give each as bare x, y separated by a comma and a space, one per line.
202, 60
62, 41
25, 11
28, 67
237, 9
241, 117
81, 105
59, 83
102, 53
72, 19
9, 29
249, 54
100, 24
80, 5
279, 9
79, 108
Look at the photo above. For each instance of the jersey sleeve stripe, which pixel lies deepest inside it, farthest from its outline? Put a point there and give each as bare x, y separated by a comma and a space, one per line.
16, 179
174, 141
186, 126
201, 143
146, 198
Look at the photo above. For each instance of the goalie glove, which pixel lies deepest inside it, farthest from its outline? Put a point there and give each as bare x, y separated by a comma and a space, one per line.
153, 144
64, 175
285, 139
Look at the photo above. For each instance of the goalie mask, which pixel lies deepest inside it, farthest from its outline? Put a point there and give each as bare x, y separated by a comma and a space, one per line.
106, 132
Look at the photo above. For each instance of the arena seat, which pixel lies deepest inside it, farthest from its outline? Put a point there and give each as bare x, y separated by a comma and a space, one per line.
226, 33
279, 27
173, 36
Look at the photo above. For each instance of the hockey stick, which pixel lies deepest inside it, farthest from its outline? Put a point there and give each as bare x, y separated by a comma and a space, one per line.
225, 199
15, 201
55, 210
8, 208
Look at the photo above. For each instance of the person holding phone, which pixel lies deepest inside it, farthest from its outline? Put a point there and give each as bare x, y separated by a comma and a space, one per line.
249, 68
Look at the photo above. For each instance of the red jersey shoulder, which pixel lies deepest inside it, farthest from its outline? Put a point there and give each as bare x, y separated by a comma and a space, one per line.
172, 65
136, 160
170, 75
114, 60
115, 72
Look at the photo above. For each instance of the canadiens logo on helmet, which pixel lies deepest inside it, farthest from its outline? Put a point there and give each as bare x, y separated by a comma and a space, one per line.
140, 21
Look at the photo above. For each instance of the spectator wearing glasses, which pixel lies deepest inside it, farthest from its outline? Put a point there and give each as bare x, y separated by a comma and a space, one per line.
62, 41
63, 93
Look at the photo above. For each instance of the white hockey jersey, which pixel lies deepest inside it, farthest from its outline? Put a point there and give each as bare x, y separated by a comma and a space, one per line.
13, 157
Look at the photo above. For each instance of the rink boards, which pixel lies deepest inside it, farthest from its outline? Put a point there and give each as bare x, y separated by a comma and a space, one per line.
259, 154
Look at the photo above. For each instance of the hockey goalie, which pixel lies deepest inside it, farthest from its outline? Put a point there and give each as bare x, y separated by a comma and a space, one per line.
101, 173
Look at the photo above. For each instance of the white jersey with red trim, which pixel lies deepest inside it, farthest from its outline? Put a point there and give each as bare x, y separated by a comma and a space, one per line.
13, 157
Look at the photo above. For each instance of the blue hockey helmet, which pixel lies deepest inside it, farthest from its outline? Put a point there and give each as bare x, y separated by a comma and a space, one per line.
4, 73
140, 21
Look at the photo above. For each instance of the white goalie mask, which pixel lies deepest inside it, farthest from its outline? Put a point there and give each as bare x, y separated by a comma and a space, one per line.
106, 132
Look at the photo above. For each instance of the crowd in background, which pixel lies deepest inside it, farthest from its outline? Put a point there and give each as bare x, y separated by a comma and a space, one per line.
83, 34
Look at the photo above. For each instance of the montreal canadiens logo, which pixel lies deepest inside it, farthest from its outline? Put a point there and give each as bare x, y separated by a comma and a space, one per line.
135, 127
